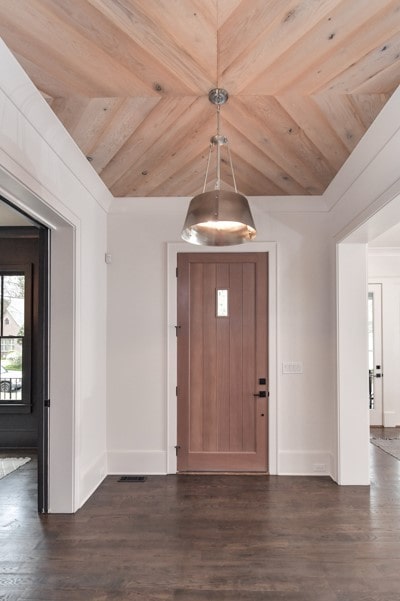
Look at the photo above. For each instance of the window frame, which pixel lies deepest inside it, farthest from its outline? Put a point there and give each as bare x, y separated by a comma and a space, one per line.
25, 404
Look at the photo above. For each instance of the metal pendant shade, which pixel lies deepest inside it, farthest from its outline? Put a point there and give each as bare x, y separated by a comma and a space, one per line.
218, 217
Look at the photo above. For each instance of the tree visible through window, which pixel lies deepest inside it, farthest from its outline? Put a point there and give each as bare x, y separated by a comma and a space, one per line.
14, 343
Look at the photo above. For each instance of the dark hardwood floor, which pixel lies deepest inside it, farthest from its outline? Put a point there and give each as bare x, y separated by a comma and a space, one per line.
207, 538
385, 433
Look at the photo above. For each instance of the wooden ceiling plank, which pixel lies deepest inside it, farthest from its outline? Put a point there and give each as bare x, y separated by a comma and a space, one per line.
250, 181
264, 36
171, 141
269, 129
92, 122
249, 20
343, 117
130, 16
239, 34
306, 113
386, 81
191, 26
158, 121
42, 80
180, 151
248, 125
68, 51
244, 149
368, 106
105, 34
69, 110
225, 8
43, 71
186, 153
368, 67
124, 120
187, 181
361, 39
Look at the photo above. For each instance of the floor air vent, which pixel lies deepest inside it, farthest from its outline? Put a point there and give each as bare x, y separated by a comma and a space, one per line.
132, 479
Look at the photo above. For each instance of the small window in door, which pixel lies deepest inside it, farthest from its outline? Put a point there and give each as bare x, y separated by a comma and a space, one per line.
15, 339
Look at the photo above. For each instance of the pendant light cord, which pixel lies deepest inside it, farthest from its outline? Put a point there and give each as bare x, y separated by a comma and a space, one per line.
231, 164
208, 166
218, 182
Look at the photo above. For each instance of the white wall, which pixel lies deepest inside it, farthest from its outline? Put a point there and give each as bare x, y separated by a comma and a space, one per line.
43, 172
139, 230
384, 268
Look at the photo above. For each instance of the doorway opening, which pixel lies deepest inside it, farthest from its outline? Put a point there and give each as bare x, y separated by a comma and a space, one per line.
375, 367
24, 348
356, 268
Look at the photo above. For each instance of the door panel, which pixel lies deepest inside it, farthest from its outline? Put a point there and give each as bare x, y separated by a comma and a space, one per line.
222, 426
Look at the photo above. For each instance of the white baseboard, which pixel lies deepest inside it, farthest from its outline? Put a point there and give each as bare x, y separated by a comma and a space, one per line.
137, 462
389, 419
92, 478
305, 463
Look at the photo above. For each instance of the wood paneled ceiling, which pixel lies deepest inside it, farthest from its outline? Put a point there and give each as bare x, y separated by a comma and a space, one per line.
129, 79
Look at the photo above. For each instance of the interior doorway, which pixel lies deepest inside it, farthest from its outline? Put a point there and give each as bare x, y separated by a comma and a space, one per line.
36, 205
24, 347
222, 362
375, 367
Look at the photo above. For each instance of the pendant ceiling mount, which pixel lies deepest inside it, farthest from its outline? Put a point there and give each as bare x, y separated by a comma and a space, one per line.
218, 96
219, 217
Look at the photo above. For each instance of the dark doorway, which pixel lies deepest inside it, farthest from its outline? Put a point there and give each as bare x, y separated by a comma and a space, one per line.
24, 408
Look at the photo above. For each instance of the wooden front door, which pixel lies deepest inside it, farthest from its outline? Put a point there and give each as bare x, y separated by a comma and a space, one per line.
222, 362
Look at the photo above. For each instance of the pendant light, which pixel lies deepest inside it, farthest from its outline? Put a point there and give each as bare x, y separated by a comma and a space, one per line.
218, 217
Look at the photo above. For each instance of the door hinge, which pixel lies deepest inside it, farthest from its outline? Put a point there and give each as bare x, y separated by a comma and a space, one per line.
47, 403
177, 447
176, 390
176, 272
177, 328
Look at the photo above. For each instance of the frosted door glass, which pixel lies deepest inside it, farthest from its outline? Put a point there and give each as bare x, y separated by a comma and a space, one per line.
222, 303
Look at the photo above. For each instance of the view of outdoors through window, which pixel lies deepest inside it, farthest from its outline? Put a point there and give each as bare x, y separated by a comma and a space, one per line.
12, 307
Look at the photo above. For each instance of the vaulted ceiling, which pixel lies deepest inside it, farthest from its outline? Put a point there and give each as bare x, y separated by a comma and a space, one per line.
129, 79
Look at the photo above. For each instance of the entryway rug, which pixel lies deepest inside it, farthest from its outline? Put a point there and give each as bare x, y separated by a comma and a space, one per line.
390, 446
10, 464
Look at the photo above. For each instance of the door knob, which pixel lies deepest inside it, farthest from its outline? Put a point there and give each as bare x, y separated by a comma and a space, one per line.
262, 394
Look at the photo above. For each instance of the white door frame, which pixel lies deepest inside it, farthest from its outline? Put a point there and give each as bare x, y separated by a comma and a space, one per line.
173, 249
352, 346
63, 360
376, 414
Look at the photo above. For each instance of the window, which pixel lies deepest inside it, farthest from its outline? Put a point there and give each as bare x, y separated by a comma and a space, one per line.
15, 338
